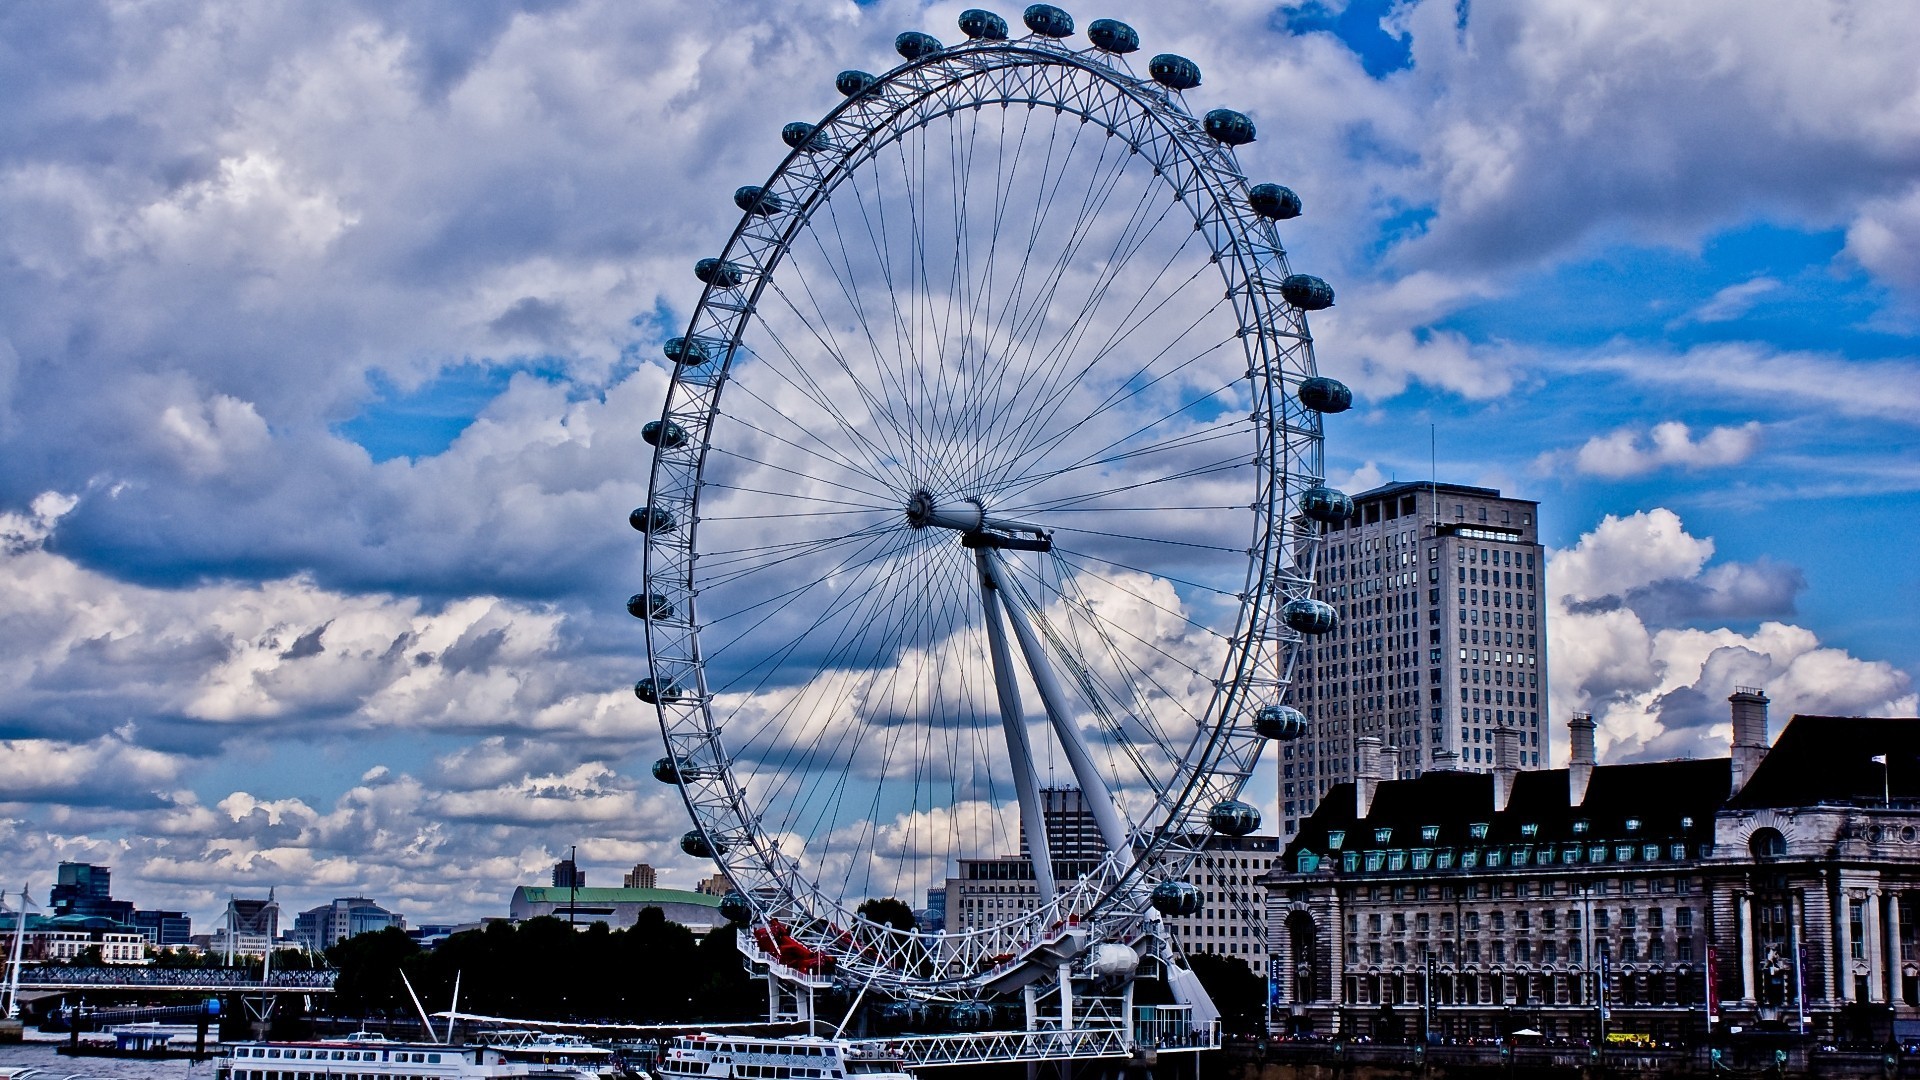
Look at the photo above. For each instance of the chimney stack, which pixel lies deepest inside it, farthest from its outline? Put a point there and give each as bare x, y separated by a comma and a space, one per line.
1367, 776
1389, 763
1749, 733
1580, 758
1445, 761
1506, 765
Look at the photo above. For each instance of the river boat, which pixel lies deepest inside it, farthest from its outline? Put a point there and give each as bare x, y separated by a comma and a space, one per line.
799, 1057
368, 1056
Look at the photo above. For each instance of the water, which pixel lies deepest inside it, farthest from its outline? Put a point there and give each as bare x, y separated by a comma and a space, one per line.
54, 1066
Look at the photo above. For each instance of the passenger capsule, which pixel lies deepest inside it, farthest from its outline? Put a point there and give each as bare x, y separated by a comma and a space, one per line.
718, 273
1310, 616
695, 844
854, 82
649, 605
1234, 818
1325, 395
913, 45
666, 435
652, 519
969, 1015
1174, 72
686, 352
1112, 35
1326, 504
757, 200
983, 25
649, 691
1176, 899
1283, 723
1232, 128
1048, 21
734, 907
1274, 202
1306, 292
799, 135
665, 771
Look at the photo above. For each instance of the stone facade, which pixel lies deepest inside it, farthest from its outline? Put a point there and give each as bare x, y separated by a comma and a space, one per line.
1473, 905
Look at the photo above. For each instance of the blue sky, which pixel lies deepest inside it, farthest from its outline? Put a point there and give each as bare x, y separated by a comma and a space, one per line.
338, 326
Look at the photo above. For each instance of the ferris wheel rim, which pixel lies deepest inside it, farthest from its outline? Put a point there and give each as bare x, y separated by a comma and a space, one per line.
1225, 182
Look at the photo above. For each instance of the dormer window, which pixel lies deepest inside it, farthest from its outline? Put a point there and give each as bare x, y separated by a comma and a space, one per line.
1336, 837
1686, 823
1429, 833
1381, 836
1633, 824
1580, 826
1530, 829
1477, 830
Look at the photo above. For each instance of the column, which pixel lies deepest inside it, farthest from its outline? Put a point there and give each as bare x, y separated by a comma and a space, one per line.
1876, 980
1797, 926
1893, 946
1746, 945
1843, 916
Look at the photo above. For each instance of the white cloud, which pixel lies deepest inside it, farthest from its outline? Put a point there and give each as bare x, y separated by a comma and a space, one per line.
1733, 301
1629, 452
1885, 238
1660, 690
1753, 372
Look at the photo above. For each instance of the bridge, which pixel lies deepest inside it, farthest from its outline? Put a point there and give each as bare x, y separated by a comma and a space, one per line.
188, 980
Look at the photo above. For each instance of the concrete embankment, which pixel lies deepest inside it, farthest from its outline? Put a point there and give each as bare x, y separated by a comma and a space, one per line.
1770, 1061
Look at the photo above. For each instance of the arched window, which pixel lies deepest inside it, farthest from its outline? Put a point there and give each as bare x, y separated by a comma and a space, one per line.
1767, 844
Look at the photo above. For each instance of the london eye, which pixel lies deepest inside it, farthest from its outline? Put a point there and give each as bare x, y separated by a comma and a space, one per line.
990, 464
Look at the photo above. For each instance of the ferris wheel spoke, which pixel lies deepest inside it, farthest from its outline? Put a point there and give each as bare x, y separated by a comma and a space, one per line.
1126, 389
847, 282
1073, 553
864, 543
801, 378
1098, 698
851, 489
1035, 385
860, 617
1099, 457
1123, 246
726, 557
1027, 329
815, 447
1210, 469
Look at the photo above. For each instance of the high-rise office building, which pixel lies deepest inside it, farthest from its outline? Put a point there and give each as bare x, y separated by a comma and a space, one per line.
1441, 591
86, 889
642, 876
568, 875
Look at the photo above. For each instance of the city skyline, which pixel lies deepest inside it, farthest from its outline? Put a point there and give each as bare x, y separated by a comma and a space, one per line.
329, 335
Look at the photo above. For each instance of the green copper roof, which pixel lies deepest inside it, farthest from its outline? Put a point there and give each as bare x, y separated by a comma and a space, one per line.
542, 894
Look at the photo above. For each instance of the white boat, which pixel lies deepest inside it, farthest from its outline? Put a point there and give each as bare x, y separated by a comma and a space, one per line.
365, 1056
800, 1057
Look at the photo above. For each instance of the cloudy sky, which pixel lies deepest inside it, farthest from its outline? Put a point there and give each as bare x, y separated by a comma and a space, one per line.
326, 332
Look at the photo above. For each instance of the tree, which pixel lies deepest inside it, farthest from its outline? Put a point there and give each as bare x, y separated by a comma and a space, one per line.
887, 911
1239, 994
369, 979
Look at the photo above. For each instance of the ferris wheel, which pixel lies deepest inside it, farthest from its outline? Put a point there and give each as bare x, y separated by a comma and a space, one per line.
989, 471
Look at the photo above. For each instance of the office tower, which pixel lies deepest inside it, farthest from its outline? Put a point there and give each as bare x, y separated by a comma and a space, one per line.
1441, 591
641, 876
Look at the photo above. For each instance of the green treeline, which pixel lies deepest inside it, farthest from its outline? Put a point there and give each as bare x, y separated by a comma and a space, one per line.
543, 969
